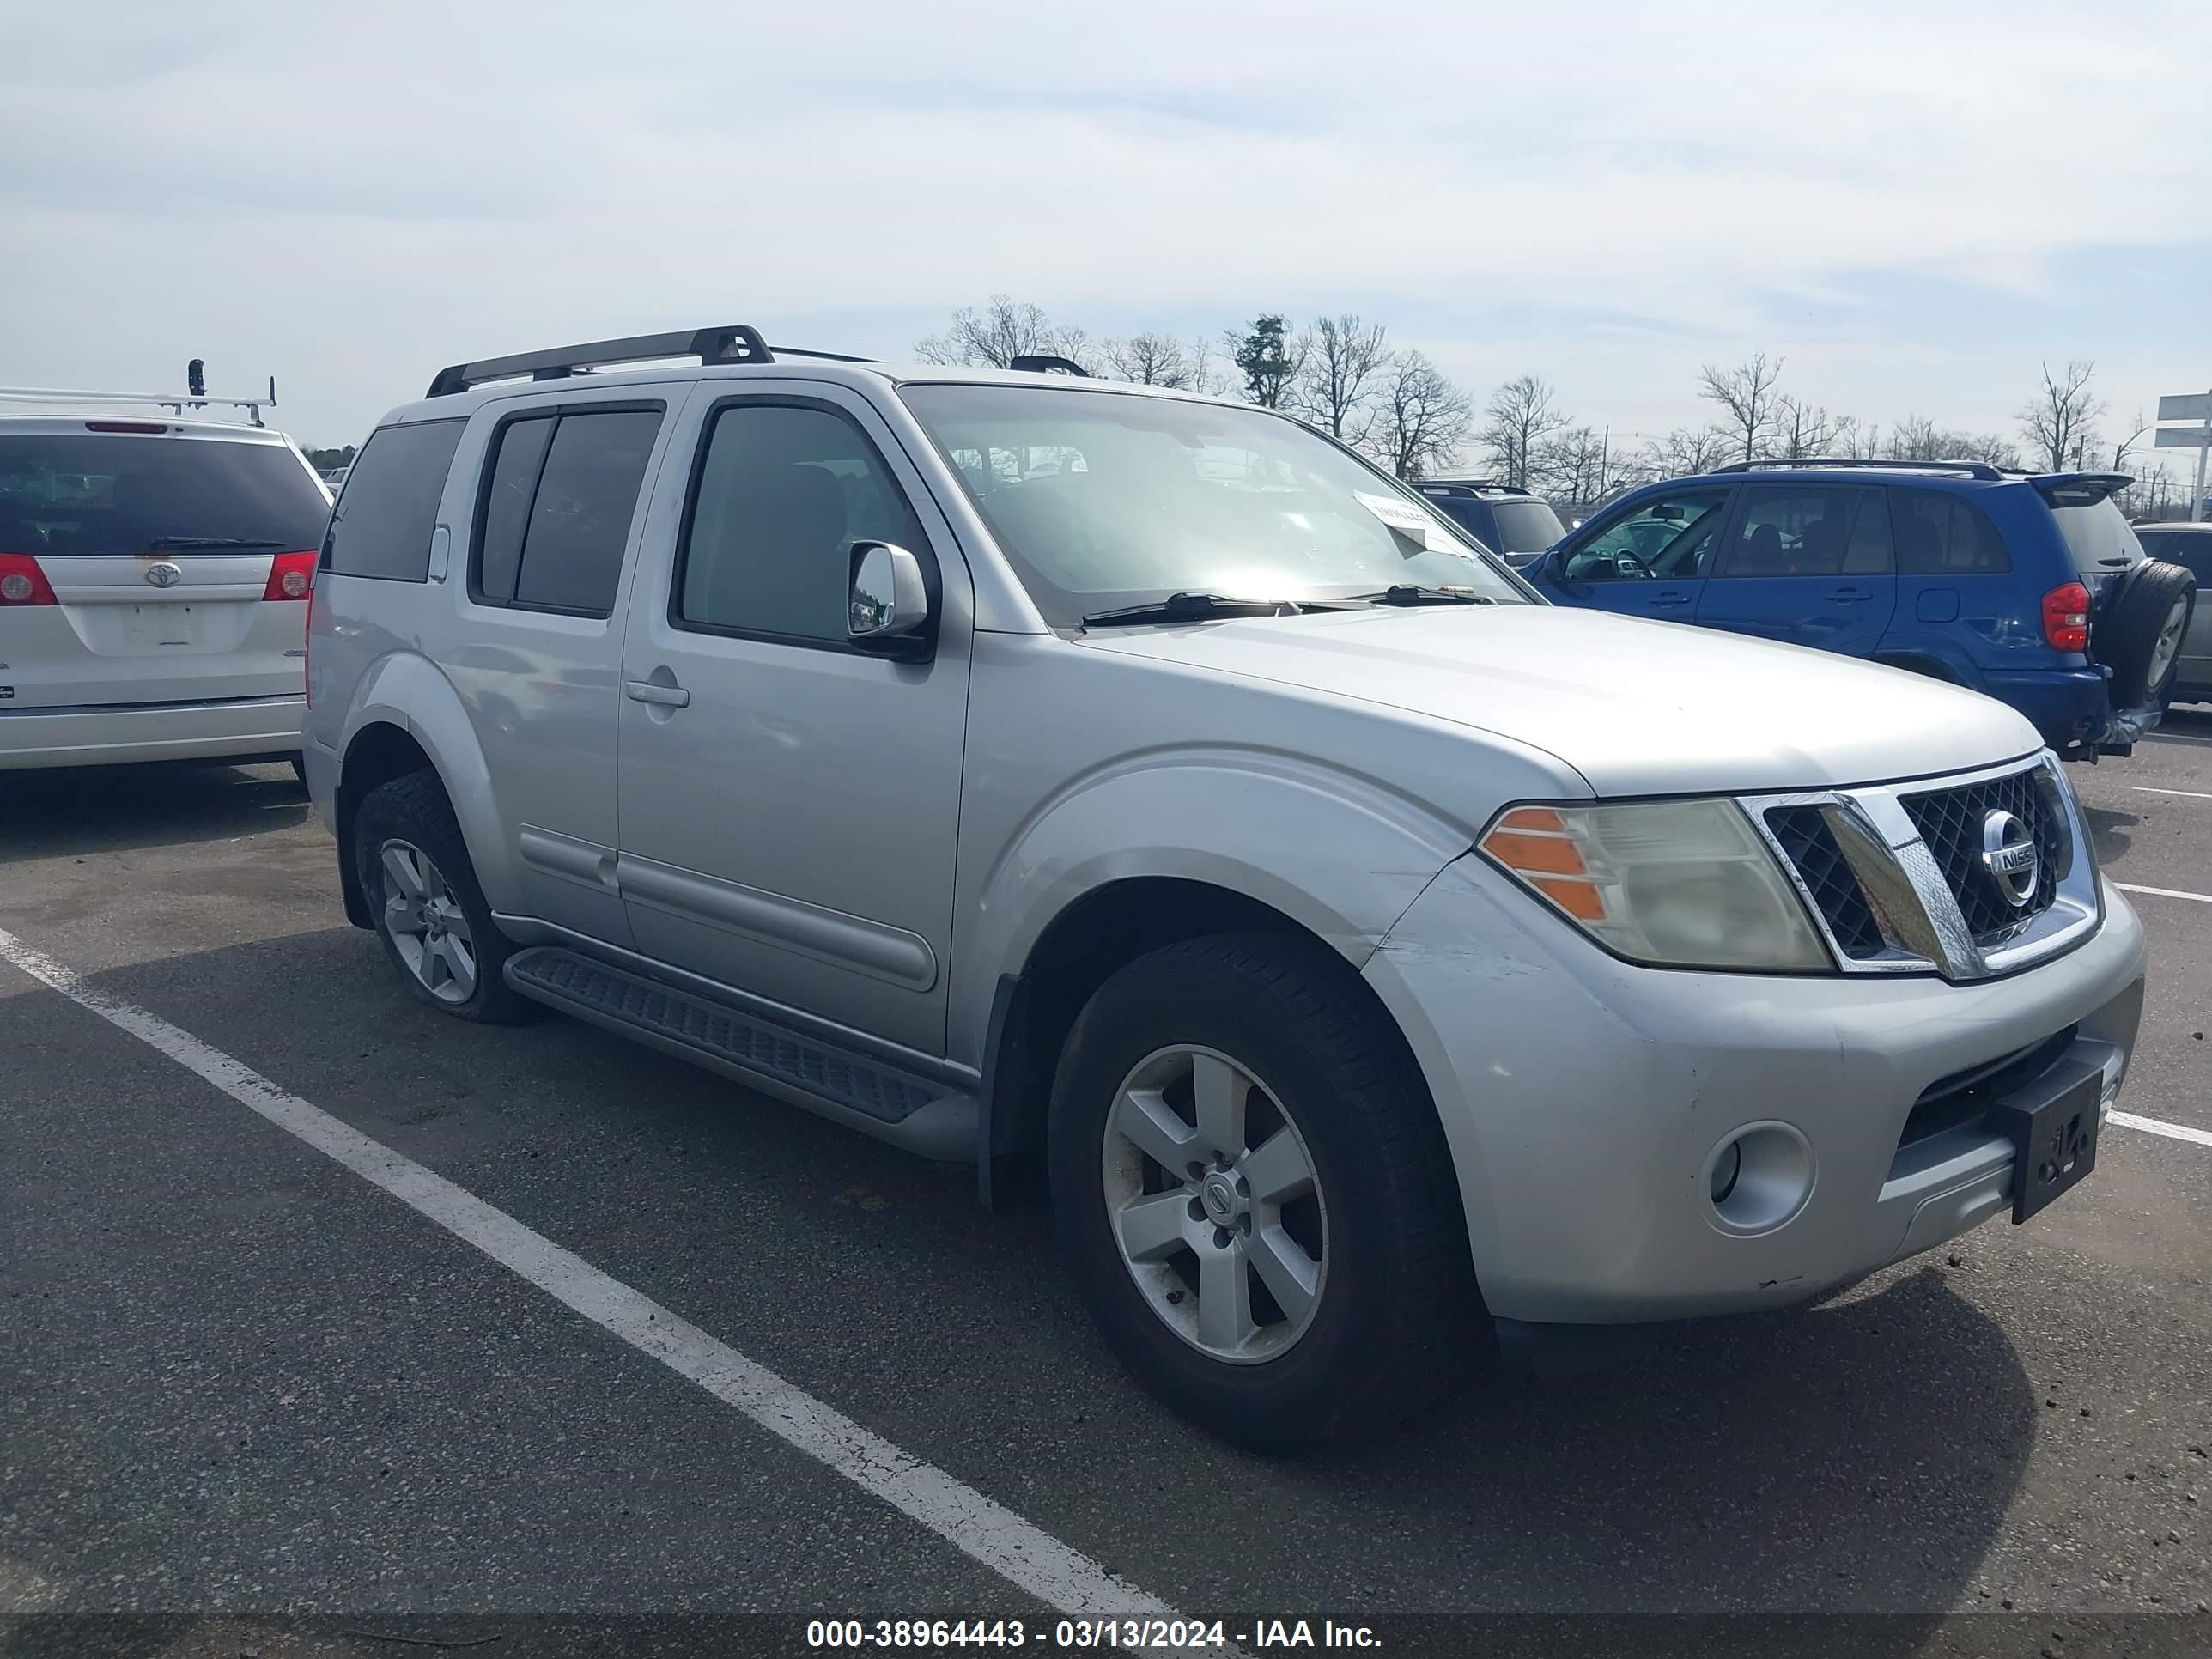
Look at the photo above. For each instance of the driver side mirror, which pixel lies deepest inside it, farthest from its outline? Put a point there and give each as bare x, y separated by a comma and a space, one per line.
887, 609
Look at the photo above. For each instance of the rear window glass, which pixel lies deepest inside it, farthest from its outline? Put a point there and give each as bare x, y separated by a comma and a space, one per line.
1943, 536
384, 519
1524, 526
78, 493
2100, 537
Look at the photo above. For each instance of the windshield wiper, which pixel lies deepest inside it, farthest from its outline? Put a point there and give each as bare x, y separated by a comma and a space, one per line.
1407, 593
1190, 607
172, 543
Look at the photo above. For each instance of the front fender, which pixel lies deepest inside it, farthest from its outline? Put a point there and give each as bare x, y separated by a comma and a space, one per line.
1331, 852
407, 690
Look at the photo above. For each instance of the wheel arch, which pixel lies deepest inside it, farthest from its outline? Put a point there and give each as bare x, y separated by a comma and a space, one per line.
407, 717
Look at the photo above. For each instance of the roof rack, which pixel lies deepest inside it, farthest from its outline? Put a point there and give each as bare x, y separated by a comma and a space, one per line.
171, 400
1968, 469
732, 342
1045, 363
1433, 486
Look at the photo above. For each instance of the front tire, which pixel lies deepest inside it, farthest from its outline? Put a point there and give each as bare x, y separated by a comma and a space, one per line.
1256, 1195
429, 912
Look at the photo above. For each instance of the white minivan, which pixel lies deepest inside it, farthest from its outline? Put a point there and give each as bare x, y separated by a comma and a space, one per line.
155, 577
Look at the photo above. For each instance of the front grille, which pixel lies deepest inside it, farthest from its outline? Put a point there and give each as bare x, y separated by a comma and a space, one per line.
1810, 845
1950, 822
1965, 1097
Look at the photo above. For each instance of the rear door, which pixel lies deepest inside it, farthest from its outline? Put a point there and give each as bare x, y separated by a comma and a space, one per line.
149, 562
1649, 560
1806, 564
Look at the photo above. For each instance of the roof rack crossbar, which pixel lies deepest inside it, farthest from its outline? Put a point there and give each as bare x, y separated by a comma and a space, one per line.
173, 400
1046, 363
1970, 469
732, 342
826, 357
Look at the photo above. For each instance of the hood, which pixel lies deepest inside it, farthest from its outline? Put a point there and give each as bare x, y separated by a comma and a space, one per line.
1638, 707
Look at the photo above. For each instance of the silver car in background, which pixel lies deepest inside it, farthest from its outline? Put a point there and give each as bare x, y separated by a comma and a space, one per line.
153, 583
1145, 798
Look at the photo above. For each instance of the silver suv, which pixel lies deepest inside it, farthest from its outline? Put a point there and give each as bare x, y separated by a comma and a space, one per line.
1009, 765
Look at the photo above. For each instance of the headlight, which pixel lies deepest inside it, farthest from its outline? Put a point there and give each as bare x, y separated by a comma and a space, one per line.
1688, 884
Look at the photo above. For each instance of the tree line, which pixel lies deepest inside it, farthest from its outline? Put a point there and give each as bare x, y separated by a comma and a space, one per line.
1343, 374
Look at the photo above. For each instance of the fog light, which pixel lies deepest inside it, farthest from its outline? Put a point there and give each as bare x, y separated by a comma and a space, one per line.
1759, 1178
1726, 1168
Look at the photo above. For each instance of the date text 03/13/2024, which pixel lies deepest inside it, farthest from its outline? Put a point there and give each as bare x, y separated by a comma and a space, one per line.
1173, 1635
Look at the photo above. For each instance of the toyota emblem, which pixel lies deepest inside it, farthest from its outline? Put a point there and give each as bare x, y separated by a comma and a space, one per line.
164, 574
2009, 854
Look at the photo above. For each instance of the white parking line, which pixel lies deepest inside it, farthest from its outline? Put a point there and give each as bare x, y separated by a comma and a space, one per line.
1033, 1560
2154, 1126
2190, 794
2173, 737
2163, 892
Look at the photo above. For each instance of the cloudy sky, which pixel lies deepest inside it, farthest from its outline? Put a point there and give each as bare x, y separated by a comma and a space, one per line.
1911, 210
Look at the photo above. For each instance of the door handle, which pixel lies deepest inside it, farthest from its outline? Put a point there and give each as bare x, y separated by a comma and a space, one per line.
675, 696
1670, 599
1849, 596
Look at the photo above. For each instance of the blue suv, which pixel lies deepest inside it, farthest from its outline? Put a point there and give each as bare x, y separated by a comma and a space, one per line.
2032, 588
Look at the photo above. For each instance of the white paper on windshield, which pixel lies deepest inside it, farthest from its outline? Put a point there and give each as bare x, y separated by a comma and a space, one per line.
1405, 517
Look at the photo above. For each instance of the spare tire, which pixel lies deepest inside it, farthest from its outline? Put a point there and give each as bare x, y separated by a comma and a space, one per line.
2139, 630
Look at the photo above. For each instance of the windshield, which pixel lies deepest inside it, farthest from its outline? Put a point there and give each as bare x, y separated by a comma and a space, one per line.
81, 493
1104, 500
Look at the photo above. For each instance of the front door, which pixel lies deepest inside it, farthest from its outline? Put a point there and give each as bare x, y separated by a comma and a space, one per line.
1806, 564
789, 803
1652, 560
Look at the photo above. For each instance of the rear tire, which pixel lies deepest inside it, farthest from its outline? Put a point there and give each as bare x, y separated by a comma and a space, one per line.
2139, 636
1255, 1196
423, 901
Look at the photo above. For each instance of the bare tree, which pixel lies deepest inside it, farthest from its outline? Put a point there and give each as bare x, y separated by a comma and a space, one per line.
1803, 431
1520, 416
2120, 449
1156, 360
992, 336
2059, 420
1917, 438
1421, 416
1573, 465
1747, 393
1689, 450
1343, 361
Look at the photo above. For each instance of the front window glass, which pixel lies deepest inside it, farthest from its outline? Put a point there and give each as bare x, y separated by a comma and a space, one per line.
1670, 537
1103, 500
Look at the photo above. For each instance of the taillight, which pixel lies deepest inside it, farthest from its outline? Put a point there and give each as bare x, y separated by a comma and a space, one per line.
291, 576
2066, 617
22, 581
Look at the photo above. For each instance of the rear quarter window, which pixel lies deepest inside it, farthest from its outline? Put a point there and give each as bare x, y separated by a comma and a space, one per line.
1937, 535
382, 526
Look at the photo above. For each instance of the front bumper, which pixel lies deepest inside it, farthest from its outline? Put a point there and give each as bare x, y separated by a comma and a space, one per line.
1583, 1097
238, 729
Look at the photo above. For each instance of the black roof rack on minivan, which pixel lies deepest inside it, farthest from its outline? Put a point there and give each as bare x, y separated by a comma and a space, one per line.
1046, 363
1968, 469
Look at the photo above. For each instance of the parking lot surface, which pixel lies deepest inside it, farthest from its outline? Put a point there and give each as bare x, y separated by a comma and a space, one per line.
237, 1376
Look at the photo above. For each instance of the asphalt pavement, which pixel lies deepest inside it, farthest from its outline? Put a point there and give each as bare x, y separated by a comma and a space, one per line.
237, 1378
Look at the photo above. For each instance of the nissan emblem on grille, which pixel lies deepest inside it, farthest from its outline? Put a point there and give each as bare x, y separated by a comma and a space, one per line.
2009, 854
165, 574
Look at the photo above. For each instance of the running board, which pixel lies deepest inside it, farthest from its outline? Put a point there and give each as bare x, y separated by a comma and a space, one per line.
907, 1110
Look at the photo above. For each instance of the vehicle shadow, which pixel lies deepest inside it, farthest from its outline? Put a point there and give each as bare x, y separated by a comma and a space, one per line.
1857, 1456
113, 809
2108, 829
